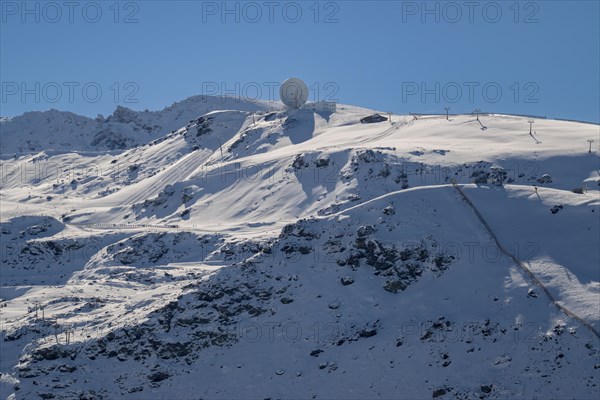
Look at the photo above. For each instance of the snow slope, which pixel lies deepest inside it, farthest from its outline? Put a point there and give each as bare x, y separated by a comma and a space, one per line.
257, 252
562, 247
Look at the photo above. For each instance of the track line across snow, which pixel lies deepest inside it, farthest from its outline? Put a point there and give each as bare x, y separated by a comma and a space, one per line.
522, 265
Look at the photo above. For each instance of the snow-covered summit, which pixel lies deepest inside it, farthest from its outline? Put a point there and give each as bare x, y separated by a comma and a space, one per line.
125, 128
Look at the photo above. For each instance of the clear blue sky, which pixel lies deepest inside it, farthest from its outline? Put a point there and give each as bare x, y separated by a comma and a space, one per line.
543, 56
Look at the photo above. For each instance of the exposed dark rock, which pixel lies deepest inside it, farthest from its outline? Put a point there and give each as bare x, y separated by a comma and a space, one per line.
394, 286
67, 368
545, 179
347, 280
556, 209
439, 392
49, 353
158, 376
368, 332
298, 163
270, 116
322, 162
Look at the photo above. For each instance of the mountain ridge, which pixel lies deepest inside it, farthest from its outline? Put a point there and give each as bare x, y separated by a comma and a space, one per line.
304, 254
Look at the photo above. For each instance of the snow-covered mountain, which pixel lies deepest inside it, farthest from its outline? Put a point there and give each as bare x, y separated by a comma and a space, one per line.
64, 131
249, 251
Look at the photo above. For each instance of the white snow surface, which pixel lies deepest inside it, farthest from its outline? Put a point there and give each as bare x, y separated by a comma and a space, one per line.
228, 249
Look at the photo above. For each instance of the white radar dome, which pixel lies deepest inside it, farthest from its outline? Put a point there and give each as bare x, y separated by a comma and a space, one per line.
293, 93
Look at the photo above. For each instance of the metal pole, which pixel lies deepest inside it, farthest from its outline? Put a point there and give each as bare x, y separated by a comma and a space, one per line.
531, 122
